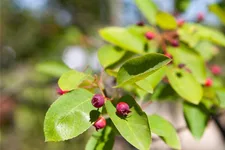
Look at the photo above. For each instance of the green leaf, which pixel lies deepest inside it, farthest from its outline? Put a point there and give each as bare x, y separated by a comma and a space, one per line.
181, 5
112, 72
71, 80
123, 38
200, 32
211, 34
109, 55
101, 140
166, 21
193, 61
164, 92
205, 49
145, 85
185, 84
140, 67
165, 130
149, 83
221, 96
207, 103
196, 119
68, 116
139, 31
185, 35
52, 68
216, 9
135, 127
148, 9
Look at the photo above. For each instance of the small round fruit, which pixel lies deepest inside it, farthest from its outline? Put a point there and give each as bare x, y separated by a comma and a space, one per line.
149, 35
175, 43
200, 17
98, 100
100, 123
180, 22
208, 82
216, 70
122, 108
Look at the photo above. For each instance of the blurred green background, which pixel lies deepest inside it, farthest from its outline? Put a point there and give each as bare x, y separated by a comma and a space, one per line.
36, 34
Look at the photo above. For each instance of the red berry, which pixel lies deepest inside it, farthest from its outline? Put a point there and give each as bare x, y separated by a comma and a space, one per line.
149, 35
60, 91
122, 108
215, 69
175, 43
208, 82
100, 123
200, 17
140, 23
98, 100
180, 22
168, 55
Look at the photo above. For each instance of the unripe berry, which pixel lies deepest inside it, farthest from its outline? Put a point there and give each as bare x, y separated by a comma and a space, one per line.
98, 100
60, 91
140, 23
200, 17
122, 109
181, 66
180, 22
215, 69
100, 123
208, 82
149, 35
165, 80
175, 43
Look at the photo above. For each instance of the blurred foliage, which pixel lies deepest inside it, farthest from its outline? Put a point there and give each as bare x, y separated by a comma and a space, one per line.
181, 6
29, 39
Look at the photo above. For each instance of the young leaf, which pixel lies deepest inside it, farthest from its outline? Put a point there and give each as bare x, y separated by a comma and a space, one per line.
52, 68
109, 55
140, 67
194, 62
101, 140
71, 80
196, 119
123, 38
185, 84
166, 21
135, 127
148, 9
165, 130
68, 116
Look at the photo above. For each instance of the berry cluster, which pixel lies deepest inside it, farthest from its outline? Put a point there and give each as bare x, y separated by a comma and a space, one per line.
98, 100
